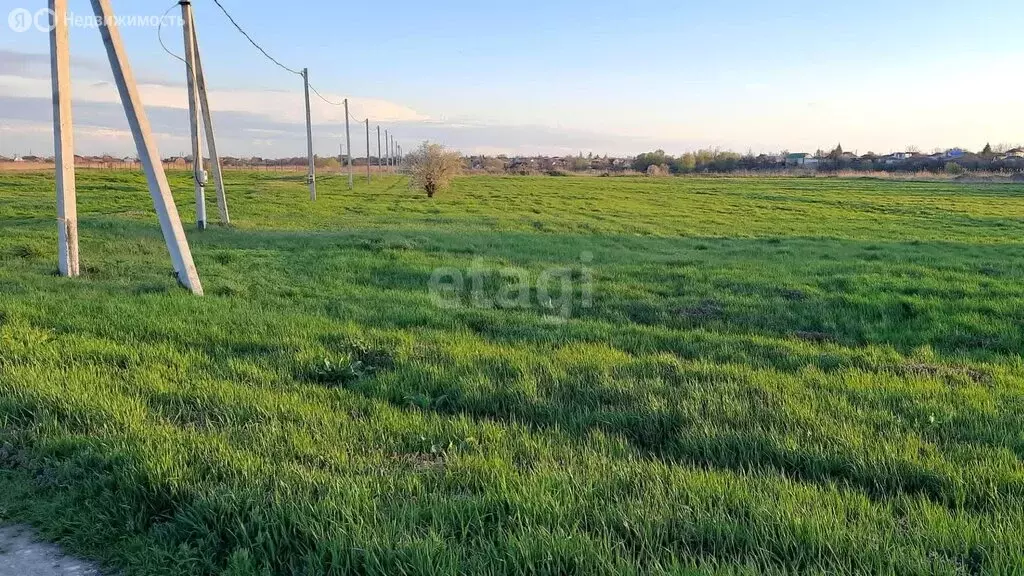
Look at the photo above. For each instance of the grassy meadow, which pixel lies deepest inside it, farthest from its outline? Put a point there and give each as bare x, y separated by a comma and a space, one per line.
728, 376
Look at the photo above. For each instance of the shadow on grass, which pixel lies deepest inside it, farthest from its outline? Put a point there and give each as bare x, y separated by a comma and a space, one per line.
752, 441
957, 298
954, 297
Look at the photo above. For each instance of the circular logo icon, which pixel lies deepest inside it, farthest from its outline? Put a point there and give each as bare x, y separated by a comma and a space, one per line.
44, 19
20, 19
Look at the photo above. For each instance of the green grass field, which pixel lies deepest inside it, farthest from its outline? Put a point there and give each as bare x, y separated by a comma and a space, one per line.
765, 376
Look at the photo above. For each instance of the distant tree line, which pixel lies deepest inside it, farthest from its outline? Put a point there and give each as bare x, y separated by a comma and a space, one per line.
714, 161
954, 161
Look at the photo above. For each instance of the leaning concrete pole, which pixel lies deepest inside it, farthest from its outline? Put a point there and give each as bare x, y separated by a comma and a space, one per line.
198, 174
367, 150
311, 177
170, 223
348, 147
211, 140
63, 140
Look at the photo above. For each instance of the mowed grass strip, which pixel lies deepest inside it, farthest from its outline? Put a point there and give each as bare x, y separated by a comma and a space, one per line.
774, 376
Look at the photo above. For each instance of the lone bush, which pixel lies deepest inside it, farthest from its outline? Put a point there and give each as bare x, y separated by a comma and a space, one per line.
658, 170
432, 167
954, 169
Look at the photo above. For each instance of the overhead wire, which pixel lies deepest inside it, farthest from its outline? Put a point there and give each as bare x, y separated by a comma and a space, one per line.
188, 68
160, 36
253, 42
255, 45
267, 54
325, 99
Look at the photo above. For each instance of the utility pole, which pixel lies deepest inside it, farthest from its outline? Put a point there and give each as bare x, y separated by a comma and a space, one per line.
367, 150
198, 174
387, 150
63, 141
380, 159
311, 177
170, 223
348, 146
211, 140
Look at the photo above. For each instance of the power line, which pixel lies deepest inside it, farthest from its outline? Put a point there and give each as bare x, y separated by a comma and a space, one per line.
253, 42
188, 68
262, 51
269, 57
319, 95
160, 37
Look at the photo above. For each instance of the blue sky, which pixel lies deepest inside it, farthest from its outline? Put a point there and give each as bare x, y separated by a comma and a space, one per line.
564, 75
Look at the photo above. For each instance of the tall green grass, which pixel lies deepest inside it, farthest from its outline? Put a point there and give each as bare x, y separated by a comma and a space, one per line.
775, 376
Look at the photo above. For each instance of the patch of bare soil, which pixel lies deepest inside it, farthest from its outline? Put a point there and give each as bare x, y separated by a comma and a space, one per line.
21, 554
816, 337
706, 310
947, 372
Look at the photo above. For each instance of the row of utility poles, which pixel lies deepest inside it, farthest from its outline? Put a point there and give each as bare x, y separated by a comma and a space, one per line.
197, 101
149, 157
145, 144
390, 157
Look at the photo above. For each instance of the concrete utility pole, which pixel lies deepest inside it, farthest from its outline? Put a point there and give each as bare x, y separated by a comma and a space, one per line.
348, 146
380, 159
170, 223
198, 174
311, 177
387, 150
367, 150
63, 140
211, 139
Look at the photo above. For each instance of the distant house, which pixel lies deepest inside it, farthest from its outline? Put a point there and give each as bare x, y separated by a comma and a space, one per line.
18, 158
1015, 153
801, 160
898, 157
954, 153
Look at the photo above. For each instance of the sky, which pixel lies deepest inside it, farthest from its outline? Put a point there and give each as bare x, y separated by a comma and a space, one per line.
545, 77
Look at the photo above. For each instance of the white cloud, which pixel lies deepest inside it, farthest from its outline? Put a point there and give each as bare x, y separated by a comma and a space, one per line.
287, 107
